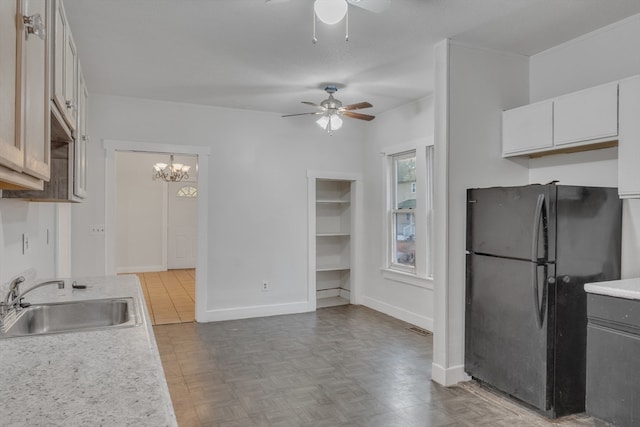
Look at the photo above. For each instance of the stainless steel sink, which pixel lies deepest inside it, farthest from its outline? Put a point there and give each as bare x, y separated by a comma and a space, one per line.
72, 316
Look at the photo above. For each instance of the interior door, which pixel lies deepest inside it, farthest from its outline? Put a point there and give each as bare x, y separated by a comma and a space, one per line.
182, 225
502, 221
504, 344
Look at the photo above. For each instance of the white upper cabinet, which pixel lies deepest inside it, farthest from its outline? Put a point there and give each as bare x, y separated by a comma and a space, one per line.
590, 114
629, 141
11, 153
65, 68
24, 100
82, 139
34, 105
528, 128
579, 121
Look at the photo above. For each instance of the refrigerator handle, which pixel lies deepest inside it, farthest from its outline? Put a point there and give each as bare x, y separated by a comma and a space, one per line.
539, 215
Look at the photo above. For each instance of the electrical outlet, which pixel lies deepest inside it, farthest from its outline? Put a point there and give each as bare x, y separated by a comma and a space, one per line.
265, 286
96, 229
25, 243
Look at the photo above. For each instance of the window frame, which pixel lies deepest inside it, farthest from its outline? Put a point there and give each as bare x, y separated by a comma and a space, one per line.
422, 274
394, 211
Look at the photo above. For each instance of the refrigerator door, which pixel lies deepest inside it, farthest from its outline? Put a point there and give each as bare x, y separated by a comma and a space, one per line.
504, 345
512, 222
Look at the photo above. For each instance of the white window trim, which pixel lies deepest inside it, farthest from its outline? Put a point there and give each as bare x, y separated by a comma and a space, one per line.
421, 276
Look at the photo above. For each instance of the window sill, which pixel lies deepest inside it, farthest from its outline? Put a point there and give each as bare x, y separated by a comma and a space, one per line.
407, 278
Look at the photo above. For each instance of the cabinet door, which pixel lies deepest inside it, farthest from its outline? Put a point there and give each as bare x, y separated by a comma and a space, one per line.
34, 104
11, 154
587, 115
629, 139
59, 24
528, 128
82, 138
70, 80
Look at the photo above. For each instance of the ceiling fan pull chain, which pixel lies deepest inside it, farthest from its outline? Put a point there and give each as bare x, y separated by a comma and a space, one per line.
315, 39
346, 36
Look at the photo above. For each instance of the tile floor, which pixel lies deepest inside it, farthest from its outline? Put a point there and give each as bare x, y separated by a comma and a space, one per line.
338, 366
170, 295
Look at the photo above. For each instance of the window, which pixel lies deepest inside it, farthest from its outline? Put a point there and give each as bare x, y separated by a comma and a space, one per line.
409, 211
403, 229
187, 191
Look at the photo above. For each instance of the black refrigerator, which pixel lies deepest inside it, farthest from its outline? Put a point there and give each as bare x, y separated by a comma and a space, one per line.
530, 250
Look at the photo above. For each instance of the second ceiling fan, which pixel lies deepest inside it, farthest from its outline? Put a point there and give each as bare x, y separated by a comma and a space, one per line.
331, 110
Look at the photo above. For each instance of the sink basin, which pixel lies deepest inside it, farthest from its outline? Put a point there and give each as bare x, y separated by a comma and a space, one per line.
72, 316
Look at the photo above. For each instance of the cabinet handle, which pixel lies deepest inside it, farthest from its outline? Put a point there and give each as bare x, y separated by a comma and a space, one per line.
85, 138
34, 25
70, 105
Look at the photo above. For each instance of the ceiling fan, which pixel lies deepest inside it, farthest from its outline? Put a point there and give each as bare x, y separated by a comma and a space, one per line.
331, 109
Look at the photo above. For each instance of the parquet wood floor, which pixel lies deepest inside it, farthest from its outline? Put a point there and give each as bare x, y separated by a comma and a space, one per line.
170, 295
338, 366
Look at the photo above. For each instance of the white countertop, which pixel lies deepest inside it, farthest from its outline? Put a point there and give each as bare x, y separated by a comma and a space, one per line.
625, 288
111, 377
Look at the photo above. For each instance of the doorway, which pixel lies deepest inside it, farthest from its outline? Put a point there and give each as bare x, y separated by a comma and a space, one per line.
112, 147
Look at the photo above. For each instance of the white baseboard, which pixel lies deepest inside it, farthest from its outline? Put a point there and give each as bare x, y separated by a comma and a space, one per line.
448, 376
327, 293
145, 269
254, 311
399, 313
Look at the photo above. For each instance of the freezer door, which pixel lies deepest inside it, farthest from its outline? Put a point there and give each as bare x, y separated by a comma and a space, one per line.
504, 345
506, 221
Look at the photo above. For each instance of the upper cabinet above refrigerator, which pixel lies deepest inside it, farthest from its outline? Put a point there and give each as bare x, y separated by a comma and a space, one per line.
580, 121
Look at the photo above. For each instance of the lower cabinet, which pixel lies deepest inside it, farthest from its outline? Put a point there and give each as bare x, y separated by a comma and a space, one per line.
613, 359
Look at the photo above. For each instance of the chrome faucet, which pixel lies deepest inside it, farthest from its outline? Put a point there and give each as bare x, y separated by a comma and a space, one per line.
14, 297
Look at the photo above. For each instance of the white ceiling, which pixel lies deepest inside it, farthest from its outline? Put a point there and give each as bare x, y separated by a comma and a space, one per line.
250, 54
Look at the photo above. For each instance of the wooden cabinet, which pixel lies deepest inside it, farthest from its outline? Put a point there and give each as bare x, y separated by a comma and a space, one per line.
579, 121
48, 75
333, 242
64, 79
11, 153
587, 115
629, 140
24, 80
527, 128
34, 104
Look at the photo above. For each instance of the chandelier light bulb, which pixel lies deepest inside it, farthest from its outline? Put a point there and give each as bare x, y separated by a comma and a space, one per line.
330, 11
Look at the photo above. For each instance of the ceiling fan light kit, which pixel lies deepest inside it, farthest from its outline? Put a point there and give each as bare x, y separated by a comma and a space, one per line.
330, 12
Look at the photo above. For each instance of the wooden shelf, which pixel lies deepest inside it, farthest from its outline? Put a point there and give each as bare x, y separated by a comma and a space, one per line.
338, 234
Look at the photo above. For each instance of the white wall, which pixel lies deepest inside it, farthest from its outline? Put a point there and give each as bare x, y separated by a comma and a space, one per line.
18, 217
599, 57
140, 213
396, 127
257, 193
473, 87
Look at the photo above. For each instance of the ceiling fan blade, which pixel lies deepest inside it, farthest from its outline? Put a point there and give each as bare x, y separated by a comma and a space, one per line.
313, 104
357, 106
302, 114
376, 6
358, 116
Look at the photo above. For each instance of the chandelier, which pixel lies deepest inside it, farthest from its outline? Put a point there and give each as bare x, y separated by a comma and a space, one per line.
172, 172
